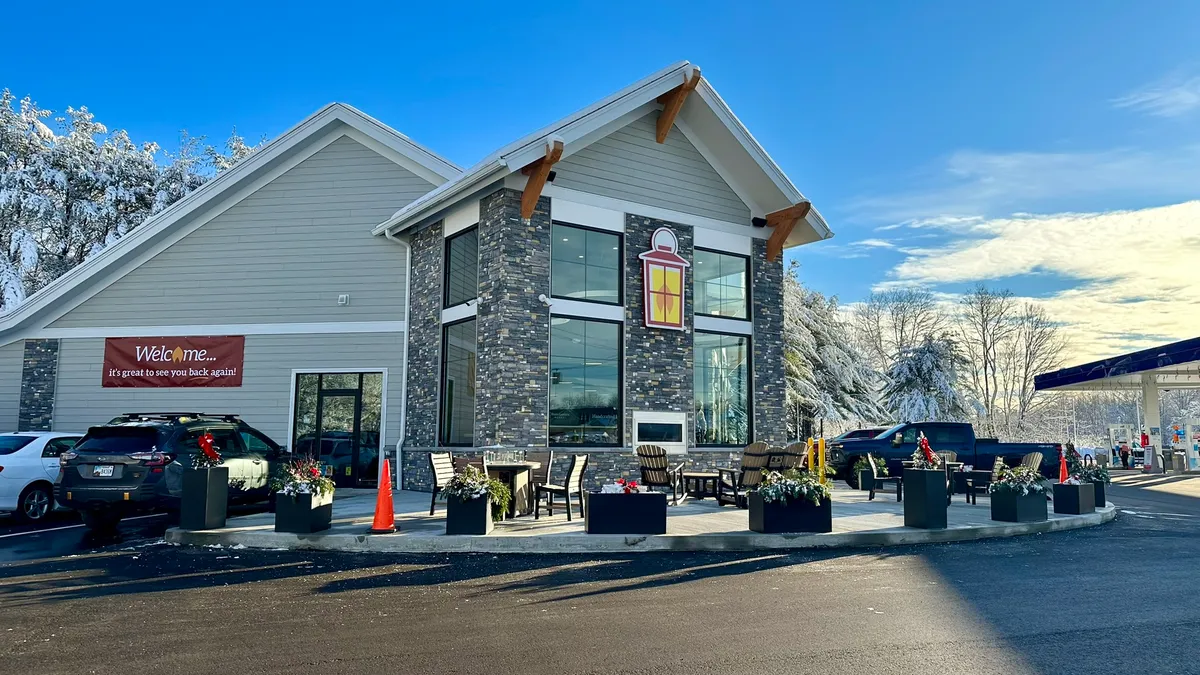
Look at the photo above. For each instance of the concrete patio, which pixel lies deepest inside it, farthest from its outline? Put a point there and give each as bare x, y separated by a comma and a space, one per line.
696, 525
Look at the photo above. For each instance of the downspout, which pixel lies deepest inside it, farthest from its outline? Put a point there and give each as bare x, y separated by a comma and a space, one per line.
404, 374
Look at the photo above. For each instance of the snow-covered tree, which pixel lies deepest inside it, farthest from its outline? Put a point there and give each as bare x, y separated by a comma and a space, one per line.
65, 195
922, 384
827, 376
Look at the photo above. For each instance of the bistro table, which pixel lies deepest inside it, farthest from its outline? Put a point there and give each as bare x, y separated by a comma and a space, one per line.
700, 484
516, 476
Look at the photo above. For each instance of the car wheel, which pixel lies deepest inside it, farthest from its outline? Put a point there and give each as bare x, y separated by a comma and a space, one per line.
35, 504
101, 521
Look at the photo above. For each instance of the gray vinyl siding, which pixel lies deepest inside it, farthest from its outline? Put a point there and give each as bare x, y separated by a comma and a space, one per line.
281, 255
263, 400
630, 164
10, 384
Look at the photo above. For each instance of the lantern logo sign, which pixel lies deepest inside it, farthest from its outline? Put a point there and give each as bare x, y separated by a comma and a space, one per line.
663, 280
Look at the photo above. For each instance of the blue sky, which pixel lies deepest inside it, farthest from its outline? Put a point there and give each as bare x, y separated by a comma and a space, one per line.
917, 128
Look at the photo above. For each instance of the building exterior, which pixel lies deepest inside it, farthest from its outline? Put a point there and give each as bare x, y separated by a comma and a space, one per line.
611, 279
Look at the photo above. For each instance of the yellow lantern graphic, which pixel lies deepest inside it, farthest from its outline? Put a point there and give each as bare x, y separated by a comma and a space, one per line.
663, 281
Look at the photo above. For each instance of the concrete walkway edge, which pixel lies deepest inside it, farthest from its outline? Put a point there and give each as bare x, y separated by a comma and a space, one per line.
583, 543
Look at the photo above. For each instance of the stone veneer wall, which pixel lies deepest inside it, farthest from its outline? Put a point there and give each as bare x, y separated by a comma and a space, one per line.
513, 366
769, 389
424, 337
658, 362
39, 373
604, 466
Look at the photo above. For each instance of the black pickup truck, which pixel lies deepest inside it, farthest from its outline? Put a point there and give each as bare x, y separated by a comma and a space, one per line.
897, 444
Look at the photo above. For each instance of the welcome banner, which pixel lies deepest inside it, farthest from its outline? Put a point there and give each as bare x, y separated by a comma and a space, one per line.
174, 361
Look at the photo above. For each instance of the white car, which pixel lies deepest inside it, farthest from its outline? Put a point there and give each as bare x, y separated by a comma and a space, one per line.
28, 468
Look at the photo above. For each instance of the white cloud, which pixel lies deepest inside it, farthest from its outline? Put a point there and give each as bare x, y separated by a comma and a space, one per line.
1171, 96
971, 183
1136, 271
874, 243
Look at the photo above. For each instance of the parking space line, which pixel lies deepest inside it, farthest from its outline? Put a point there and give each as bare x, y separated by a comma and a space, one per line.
71, 527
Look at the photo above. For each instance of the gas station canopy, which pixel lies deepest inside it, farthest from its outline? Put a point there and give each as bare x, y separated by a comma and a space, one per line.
1172, 366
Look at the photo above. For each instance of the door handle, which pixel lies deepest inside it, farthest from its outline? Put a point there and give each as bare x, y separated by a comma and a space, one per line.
257, 461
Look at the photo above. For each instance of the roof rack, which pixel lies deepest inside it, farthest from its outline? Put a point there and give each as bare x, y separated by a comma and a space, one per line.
132, 416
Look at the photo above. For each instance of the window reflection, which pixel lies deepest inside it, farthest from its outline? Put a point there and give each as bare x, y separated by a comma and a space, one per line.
585, 382
722, 389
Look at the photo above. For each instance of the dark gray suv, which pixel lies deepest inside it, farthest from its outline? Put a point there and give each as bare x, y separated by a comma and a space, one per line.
136, 462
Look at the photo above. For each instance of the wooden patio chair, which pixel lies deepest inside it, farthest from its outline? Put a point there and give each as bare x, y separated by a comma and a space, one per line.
573, 485
540, 475
777, 460
658, 471
877, 480
441, 464
732, 484
948, 455
1033, 460
795, 456
478, 462
975, 484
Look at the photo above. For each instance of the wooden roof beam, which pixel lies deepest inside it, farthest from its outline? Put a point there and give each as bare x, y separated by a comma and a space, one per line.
784, 220
538, 171
673, 102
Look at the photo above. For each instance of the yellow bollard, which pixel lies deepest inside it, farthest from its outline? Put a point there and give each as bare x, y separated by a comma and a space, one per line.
809, 462
821, 459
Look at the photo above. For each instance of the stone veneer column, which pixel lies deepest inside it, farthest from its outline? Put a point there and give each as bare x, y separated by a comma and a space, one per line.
512, 391
424, 337
769, 387
658, 362
39, 373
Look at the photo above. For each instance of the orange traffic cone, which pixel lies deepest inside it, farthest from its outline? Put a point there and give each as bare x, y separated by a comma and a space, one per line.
1062, 467
385, 517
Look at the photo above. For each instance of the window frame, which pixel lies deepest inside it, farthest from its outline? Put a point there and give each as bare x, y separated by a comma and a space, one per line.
750, 407
620, 383
446, 267
620, 301
749, 284
441, 441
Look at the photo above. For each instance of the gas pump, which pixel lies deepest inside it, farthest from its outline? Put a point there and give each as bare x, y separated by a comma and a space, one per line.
1118, 435
1191, 444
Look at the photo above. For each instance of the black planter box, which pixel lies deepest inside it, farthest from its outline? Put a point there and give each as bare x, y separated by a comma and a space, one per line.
925, 498
799, 515
303, 514
1074, 499
470, 517
866, 478
636, 513
1100, 496
1013, 507
205, 498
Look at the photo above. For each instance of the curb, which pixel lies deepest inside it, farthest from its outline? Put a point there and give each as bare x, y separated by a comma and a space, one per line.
598, 543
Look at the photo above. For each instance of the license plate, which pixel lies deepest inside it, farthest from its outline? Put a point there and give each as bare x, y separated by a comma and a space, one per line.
105, 471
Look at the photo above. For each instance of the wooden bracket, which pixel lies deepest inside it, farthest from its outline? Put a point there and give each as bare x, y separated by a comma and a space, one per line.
538, 171
673, 102
783, 221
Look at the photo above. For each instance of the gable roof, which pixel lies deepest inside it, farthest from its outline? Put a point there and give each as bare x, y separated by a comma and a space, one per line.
744, 164
399, 148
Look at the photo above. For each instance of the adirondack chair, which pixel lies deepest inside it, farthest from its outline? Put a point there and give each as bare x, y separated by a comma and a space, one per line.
732, 484
441, 464
976, 483
878, 480
658, 471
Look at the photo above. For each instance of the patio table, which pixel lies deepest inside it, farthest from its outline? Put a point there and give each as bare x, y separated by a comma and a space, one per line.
516, 476
700, 484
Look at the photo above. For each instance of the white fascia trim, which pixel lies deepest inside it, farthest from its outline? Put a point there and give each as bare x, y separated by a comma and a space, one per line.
715, 324
567, 211
440, 168
586, 310
717, 240
730, 178
459, 312
556, 192
397, 157
443, 196
461, 217
317, 328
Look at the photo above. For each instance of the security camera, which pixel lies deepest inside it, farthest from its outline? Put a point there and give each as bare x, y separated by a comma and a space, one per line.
546, 301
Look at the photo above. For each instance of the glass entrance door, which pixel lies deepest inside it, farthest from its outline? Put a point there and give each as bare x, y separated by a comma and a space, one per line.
337, 421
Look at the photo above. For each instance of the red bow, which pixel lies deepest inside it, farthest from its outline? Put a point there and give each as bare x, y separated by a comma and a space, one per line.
206, 446
924, 445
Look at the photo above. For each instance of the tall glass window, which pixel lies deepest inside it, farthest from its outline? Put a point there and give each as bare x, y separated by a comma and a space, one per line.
721, 284
585, 264
722, 389
585, 382
462, 267
458, 384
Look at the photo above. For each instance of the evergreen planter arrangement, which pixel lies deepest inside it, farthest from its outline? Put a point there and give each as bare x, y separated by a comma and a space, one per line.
925, 490
623, 508
1098, 476
1018, 496
474, 502
794, 501
1074, 497
205, 498
303, 498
